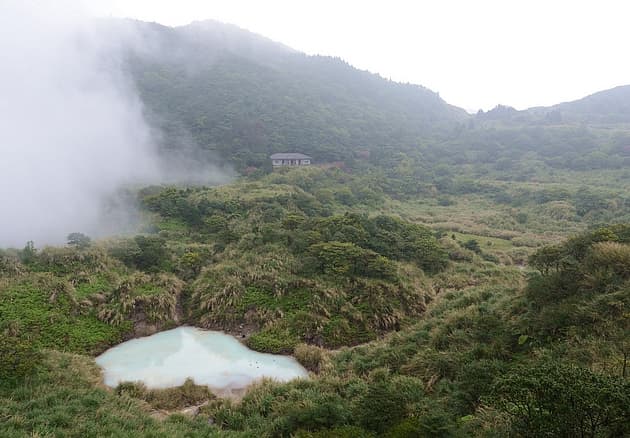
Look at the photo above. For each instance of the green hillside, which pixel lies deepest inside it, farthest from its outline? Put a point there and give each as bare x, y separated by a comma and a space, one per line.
458, 327
605, 107
243, 97
220, 93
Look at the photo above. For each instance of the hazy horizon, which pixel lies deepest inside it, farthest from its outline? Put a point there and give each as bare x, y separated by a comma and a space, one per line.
475, 55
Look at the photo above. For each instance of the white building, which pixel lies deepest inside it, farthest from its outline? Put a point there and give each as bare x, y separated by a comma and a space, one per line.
290, 159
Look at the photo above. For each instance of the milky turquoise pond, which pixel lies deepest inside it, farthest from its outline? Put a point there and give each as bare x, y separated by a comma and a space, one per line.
211, 358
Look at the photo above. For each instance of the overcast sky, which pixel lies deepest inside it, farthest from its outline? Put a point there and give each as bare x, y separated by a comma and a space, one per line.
476, 54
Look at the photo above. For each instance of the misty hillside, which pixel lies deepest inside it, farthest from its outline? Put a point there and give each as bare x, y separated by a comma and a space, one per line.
586, 134
226, 93
245, 97
604, 107
609, 106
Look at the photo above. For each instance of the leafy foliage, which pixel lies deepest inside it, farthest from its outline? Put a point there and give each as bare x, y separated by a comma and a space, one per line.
79, 240
19, 358
561, 400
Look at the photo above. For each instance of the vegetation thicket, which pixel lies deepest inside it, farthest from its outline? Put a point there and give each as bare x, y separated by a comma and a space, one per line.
456, 339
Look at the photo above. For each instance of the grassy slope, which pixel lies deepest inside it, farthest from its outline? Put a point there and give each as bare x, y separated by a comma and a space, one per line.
438, 369
66, 399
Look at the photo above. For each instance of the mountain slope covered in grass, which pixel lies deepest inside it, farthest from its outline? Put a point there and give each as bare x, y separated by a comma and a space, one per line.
490, 351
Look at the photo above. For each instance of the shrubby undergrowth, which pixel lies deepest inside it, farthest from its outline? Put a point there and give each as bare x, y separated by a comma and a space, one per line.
456, 338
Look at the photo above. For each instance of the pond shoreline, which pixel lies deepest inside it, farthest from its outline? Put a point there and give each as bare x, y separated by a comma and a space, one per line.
214, 359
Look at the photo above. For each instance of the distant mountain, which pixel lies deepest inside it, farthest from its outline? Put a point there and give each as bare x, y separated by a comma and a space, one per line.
605, 107
217, 91
242, 96
201, 42
586, 134
609, 106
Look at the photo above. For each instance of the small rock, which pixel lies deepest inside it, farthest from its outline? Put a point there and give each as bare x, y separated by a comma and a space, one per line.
191, 411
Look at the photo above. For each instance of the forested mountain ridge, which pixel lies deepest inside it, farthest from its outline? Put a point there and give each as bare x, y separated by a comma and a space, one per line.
244, 97
228, 94
604, 107
607, 107
586, 134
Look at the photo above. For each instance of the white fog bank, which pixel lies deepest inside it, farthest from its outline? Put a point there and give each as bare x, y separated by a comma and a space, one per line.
72, 131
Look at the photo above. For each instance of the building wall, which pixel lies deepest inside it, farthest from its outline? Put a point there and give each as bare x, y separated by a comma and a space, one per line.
277, 163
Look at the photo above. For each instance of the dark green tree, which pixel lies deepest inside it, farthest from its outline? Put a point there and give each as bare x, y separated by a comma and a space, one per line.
79, 240
560, 400
29, 253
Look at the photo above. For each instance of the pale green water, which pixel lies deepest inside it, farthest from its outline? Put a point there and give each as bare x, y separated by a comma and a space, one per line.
211, 358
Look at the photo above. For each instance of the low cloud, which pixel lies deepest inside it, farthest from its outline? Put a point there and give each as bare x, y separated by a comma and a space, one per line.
72, 129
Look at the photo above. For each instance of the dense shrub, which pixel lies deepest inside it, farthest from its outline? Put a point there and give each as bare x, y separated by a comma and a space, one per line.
19, 358
554, 399
147, 253
310, 357
347, 259
187, 394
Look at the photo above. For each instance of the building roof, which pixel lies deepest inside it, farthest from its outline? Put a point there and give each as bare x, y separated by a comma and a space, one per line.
290, 156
